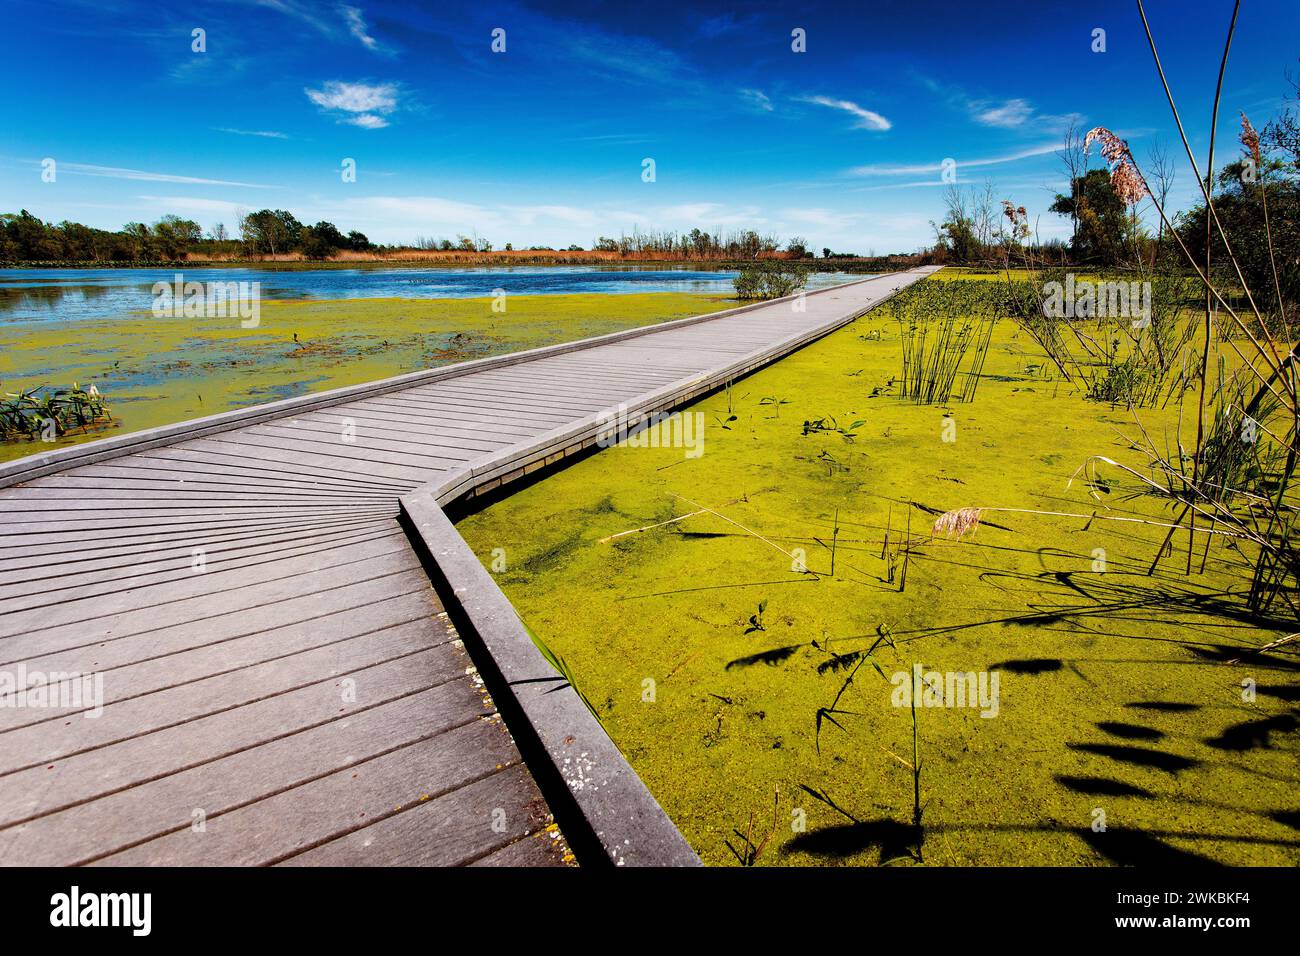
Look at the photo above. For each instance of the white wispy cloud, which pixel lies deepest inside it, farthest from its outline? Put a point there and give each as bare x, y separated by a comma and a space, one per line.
866, 119
117, 172
297, 10
366, 121
1008, 115
363, 104
356, 22
759, 99
696, 213
266, 133
918, 169
827, 219
1012, 113
569, 215
920, 184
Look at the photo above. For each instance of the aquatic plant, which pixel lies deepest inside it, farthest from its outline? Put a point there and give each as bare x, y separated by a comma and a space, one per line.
750, 851
561, 666
1125, 353
939, 323
40, 412
829, 425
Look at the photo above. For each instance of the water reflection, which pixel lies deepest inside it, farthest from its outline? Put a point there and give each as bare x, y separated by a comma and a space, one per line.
63, 295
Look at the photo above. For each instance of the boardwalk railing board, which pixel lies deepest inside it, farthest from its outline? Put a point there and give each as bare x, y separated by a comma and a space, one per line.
204, 482
612, 813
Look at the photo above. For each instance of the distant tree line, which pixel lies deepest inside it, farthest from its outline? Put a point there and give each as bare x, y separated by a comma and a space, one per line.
277, 232
26, 238
696, 244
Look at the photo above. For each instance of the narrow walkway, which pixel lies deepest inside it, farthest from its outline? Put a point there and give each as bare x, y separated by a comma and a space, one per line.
280, 684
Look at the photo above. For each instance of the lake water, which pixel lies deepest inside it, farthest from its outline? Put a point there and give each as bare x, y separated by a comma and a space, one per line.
67, 295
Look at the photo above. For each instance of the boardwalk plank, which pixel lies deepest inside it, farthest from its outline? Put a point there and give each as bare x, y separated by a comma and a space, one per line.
94, 830
450, 830
28, 793
337, 805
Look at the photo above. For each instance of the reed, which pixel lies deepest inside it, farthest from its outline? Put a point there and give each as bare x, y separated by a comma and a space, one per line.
940, 325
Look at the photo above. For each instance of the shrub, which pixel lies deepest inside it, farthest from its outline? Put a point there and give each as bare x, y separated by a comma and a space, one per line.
770, 280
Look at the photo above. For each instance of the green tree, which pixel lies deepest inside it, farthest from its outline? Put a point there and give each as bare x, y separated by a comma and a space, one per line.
173, 236
1239, 206
273, 231
321, 240
139, 241
1101, 215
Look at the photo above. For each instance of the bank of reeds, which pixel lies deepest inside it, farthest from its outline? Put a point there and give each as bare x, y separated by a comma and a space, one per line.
945, 329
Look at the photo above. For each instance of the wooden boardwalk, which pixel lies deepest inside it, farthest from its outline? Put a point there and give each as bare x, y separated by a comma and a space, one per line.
280, 683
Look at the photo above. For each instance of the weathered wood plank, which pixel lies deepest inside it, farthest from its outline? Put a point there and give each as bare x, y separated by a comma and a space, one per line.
100, 827
308, 611
69, 781
334, 806
63, 734
449, 830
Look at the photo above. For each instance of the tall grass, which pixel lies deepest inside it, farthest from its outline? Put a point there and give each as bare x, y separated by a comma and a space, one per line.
940, 325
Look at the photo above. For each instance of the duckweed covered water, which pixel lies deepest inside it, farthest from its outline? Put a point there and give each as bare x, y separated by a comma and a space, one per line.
156, 371
1121, 735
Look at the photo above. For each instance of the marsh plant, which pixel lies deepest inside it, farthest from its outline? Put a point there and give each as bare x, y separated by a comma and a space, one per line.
945, 329
1125, 342
42, 413
898, 841
749, 851
830, 426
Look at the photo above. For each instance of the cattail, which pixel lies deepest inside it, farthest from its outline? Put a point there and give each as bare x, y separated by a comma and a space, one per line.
1249, 139
956, 523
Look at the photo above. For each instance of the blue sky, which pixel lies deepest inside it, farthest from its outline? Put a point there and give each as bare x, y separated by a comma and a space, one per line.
544, 143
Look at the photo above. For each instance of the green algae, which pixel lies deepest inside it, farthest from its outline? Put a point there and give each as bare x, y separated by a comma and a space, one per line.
1115, 695
156, 371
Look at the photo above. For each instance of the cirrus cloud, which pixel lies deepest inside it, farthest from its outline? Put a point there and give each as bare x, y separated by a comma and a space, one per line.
1012, 113
360, 104
866, 119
